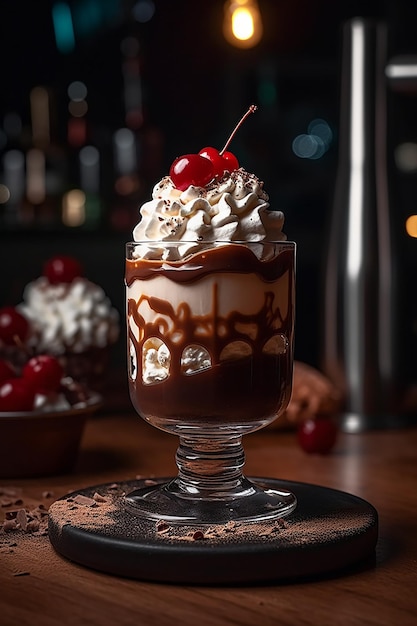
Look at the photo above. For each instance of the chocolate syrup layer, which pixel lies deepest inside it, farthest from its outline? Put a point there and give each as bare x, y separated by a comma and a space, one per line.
230, 258
251, 388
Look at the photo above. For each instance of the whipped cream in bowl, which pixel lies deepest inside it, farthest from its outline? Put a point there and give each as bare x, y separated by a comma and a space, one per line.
69, 317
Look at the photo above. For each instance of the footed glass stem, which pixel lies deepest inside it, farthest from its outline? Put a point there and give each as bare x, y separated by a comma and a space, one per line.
210, 488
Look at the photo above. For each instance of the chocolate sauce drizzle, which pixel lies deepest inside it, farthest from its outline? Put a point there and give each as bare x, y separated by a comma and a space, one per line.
251, 387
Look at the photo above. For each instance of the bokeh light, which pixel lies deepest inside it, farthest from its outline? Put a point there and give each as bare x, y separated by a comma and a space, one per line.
77, 109
405, 156
320, 128
77, 91
242, 24
308, 146
4, 194
411, 226
73, 208
315, 143
63, 27
143, 10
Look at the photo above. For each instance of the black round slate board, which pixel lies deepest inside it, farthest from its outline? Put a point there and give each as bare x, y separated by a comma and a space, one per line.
328, 531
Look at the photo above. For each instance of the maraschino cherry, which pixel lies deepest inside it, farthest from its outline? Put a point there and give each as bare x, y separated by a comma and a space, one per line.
222, 161
14, 327
200, 169
317, 436
43, 373
16, 395
62, 269
191, 169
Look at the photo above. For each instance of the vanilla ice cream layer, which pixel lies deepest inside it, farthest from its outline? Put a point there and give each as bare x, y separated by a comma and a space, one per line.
232, 294
215, 305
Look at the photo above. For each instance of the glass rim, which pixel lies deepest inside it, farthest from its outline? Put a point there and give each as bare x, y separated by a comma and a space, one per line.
179, 242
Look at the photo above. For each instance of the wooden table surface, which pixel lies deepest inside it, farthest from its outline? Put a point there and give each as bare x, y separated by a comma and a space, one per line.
37, 586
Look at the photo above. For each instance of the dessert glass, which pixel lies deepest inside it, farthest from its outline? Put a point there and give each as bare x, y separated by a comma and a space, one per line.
210, 359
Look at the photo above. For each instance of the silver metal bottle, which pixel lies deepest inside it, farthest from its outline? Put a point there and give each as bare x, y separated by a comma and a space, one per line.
360, 307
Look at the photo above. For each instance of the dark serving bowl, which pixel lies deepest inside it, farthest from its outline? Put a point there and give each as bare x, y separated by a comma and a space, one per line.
42, 443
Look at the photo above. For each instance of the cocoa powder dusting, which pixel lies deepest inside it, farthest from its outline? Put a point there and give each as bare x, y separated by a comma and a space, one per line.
110, 517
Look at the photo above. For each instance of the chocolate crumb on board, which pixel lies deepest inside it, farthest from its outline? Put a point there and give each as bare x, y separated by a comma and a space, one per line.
198, 535
229, 531
84, 500
162, 526
99, 498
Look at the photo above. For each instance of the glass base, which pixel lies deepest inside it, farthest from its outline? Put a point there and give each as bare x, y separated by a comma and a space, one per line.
248, 502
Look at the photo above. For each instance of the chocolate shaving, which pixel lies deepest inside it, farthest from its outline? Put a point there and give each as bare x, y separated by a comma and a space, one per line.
282, 522
198, 535
9, 525
33, 526
161, 526
99, 498
84, 500
21, 518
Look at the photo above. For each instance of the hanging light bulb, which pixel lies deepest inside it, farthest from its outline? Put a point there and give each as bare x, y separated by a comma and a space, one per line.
242, 25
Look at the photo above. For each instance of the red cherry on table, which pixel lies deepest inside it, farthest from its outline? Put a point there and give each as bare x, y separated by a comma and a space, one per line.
14, 327
317, 435
43, 373
16, 395
191, 169
6, 371
222, 162
62, 269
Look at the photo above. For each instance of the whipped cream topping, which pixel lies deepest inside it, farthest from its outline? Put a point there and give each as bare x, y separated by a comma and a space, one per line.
233, 208
50, 402
69, 317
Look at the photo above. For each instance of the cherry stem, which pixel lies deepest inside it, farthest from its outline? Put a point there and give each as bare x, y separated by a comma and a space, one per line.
251, 109
21, 345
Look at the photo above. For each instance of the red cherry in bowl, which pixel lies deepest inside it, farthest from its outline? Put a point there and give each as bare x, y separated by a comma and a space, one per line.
14, 327
191, 169
222, 162
16, 395
62, 269
43, 373
317, 436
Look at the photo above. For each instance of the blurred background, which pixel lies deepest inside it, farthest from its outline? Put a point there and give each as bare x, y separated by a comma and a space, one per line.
99, 96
